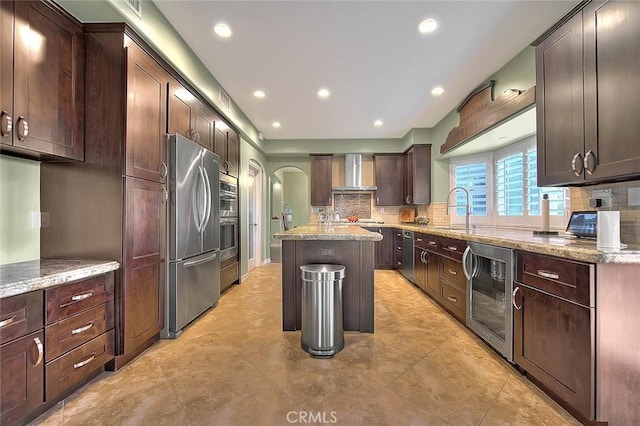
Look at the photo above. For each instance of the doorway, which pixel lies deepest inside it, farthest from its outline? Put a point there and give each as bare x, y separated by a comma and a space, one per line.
254, 230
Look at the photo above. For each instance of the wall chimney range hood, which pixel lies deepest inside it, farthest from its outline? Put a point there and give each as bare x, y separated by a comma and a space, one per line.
353, 175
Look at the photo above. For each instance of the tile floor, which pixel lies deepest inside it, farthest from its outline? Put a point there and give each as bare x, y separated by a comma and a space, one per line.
235, 366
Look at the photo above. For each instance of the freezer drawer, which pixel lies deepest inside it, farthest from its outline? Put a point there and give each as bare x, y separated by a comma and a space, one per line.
194, 287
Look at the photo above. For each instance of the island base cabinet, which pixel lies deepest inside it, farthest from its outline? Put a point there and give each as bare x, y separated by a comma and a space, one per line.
553, 344
21, 377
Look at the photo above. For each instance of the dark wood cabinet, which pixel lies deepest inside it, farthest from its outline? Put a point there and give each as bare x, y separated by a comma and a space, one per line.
189, 117
397, 248
417, 178
144, 262
553, 330
588, 97
426, 264
227, 146
21, 356
385, 248
41, 82
321, 179
146, 124
389, 171
95, 212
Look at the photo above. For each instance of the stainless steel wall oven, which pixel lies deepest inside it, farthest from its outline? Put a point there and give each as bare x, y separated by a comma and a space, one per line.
228, 237
489, 273
228, 196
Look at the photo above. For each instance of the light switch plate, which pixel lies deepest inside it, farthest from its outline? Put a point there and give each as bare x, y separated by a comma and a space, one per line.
633, 197
35, 219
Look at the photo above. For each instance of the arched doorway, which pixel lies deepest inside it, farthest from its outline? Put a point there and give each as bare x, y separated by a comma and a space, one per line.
254, 210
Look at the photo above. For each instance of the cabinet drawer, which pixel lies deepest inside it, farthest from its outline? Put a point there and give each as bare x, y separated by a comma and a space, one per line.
71, 299
561, 277
70, 369
451, 272
228, 275
452, 248
20, 315
72, 332
454, 300
431, 243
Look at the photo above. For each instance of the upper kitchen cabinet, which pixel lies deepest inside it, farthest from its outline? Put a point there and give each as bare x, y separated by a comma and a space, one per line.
146, 112
41, 81
227, 146
588, 97
389, 178
321, 179
190, 117
417, 183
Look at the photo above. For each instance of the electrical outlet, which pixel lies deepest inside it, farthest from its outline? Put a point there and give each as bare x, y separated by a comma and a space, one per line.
35, 219
605, 196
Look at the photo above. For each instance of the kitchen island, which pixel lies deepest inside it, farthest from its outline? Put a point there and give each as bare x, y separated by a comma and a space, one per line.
347, 245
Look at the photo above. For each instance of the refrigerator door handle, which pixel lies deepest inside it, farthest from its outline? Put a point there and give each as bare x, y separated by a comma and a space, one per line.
204, 196
209, 196
201, 261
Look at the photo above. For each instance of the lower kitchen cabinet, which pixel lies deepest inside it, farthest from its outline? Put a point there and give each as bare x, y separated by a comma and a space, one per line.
554, 335
229, 273
385, 248
397, 248
426, 265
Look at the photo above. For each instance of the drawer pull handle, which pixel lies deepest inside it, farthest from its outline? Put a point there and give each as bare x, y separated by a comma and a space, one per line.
81, 329
82, 296
419, 239
548, 274
432, 243
452, 272
452, 299
23, 128
452, 248
85, 362
399, 248
40, 351
7, 321
513, 298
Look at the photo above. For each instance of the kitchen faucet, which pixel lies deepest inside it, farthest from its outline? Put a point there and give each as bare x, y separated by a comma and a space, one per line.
467, 205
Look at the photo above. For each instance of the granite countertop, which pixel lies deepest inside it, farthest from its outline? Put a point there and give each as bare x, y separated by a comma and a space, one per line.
22, 277
558, 245
344, 232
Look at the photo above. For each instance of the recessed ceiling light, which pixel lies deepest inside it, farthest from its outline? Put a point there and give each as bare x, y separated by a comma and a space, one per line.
323, 93
222, 30
427, 26
276, 124
378, 123
259, 94
437, 91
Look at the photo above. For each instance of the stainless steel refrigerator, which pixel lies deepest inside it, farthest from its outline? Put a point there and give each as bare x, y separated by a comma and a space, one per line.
194, 233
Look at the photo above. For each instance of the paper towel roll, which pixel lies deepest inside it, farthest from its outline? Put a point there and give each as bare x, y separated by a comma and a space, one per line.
544, 212
608, 230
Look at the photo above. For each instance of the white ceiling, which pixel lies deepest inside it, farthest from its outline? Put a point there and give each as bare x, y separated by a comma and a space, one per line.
369, 54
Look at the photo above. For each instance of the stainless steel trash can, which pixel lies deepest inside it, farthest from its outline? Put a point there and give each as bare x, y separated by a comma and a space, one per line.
322, 328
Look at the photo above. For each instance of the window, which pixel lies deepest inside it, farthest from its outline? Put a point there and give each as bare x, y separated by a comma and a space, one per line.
517, 197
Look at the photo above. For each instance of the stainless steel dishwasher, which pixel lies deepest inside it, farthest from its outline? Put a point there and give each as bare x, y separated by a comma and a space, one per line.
407, 256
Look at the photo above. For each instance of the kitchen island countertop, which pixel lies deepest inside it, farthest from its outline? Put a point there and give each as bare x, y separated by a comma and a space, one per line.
22, 277
342, 232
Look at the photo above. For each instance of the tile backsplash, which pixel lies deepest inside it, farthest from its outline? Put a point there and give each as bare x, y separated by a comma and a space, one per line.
629, 215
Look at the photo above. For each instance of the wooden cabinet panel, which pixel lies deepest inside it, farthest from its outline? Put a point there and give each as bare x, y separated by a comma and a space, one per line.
20, 315
432, 282
321, 180
46, 113
417, 183
389, 179
228, 275
451, 272
203, 122
67, 371
146, 121
553, 342
559, 102
233, 153
227, 146
452, 248
144, 261
385, 248
73, 298
420, 268
78, 329
189, 117
397, 248
22, 377
454, 300
612, 89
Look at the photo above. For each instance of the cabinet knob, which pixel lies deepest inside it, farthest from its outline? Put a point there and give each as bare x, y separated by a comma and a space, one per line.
23, 128
7, 124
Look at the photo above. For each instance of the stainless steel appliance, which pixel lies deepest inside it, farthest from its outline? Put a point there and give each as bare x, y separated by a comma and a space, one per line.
228, 196
489, 273
407, 256
194, 233
228, 237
